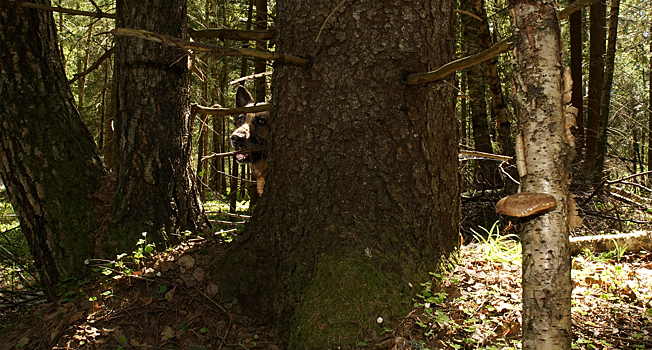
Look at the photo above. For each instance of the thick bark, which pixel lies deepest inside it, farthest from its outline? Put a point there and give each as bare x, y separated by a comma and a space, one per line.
152, 126
597, 33
476, 86
576, 50
48, 160
546, 157
362, 195
605, 100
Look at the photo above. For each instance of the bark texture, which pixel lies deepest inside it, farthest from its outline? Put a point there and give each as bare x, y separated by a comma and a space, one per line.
156, 192
362, 194
547, 158
48, 160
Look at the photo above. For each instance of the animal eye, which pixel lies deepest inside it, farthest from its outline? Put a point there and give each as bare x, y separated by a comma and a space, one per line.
240, 119
262, 121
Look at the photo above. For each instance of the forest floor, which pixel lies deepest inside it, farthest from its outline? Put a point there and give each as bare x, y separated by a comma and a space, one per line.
169, 302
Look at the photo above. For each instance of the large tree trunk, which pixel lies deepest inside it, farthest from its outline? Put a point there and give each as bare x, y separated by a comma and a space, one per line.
48, 160
362, 194
596, 78
605, 100
546, 157
156, 192
576, 52
476, 86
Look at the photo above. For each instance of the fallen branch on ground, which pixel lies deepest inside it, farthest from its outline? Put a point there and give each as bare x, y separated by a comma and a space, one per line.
633, 241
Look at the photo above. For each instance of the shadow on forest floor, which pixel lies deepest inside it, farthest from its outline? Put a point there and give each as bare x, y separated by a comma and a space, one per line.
170, 303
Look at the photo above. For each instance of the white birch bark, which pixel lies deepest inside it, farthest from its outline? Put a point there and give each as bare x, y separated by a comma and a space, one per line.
546, 160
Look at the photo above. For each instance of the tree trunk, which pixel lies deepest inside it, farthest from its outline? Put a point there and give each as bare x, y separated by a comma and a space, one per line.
48, 160
260, 66
649, 112
576, 52
202, 145
498, 107
464, 119
499, 112
362, 194
260, 84
476, 87
153, 159
547, 157
84, 66
596, 78
605, 100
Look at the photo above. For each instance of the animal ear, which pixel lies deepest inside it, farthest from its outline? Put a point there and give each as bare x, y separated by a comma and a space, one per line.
243, 97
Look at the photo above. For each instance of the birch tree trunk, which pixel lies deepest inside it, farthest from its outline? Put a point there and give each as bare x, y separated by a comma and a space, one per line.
547, 158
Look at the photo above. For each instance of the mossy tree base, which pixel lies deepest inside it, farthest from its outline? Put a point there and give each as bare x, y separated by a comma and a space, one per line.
362, 193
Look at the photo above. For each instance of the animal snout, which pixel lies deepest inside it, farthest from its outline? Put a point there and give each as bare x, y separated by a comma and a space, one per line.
236, 137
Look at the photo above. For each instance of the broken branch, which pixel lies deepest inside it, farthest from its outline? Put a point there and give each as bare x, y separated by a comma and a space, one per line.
466, 62
217, 155
212, 49
219, 111
97, 63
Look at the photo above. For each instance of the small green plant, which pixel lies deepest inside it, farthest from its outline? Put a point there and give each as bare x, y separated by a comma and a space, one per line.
496, 247
121, 265
620, 251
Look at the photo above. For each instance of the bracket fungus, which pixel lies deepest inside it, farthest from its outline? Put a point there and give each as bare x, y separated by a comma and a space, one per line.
524, 204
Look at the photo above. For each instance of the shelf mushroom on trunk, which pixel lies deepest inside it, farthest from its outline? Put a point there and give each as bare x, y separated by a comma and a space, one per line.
525, 204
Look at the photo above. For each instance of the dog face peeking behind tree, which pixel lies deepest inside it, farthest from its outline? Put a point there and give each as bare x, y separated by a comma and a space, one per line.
251, 134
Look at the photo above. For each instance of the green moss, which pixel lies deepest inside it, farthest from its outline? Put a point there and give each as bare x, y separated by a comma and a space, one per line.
342, 304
